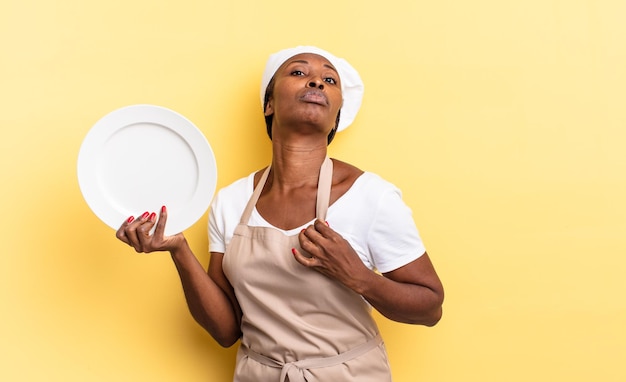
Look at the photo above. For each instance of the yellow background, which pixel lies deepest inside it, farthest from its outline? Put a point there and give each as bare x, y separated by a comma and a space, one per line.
503, 122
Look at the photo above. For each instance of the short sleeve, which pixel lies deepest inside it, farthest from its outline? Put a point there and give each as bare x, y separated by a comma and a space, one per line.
217, 242
225, 212
393, 239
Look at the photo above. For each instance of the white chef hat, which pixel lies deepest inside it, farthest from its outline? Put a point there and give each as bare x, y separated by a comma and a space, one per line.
351, 84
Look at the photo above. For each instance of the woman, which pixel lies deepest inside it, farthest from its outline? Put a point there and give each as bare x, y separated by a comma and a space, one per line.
302, 250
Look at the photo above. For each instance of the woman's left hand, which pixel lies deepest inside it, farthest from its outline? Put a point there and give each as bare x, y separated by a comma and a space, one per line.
412, 293
330, 254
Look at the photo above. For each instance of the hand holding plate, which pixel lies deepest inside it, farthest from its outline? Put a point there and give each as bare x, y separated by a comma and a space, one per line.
136, 233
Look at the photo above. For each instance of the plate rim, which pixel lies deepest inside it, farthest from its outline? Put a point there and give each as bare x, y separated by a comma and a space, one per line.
126, 116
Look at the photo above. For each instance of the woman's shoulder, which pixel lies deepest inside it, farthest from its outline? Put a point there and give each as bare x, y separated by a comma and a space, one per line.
360, 184
345, 172
239, 188
344, 177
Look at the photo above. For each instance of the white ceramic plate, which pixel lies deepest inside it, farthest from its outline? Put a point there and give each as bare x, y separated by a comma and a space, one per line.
141, 157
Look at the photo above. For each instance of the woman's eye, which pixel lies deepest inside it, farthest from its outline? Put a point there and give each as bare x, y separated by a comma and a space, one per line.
297, 73
330, 80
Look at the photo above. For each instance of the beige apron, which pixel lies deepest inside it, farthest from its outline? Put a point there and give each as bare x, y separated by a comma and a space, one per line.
298, 325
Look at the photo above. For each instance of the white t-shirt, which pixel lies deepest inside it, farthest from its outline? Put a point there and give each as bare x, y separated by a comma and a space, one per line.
371, 216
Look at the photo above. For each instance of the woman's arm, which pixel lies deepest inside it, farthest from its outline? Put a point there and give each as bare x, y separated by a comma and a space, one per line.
410, 294
211, 303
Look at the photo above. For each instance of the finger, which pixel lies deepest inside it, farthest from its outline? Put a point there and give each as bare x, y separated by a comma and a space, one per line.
311, 247
143, 232
323, 228
131, 231
304, 260
315, 236
121, 232
159, 231
309, 239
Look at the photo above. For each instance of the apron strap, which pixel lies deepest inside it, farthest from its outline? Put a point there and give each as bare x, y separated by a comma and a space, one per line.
298, 371
324, 185
245, 217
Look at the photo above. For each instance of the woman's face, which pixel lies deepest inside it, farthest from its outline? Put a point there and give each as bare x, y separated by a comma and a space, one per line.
307, 92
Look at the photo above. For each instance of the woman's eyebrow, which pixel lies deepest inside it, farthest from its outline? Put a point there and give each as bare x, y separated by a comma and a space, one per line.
306, 63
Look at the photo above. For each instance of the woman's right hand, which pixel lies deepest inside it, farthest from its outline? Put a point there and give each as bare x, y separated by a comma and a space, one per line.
136, 233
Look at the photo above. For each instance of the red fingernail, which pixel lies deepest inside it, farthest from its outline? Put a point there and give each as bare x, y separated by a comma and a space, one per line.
304, 229
145, 215
163, 209
327, 224
130, 219
293, 250
152, 216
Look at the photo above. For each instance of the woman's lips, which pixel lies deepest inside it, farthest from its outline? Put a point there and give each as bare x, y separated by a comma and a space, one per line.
315, 96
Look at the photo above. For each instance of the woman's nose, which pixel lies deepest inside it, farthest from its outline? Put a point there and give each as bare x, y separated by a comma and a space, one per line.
316, 84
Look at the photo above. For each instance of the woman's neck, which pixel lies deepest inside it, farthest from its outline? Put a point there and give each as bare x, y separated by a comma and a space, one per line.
296, 165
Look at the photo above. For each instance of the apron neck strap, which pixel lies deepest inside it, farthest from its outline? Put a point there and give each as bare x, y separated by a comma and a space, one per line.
324, 185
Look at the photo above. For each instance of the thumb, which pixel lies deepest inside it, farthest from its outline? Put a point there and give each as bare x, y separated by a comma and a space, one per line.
159, 231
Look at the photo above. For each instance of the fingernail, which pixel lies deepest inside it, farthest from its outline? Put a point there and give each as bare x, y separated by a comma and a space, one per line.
152, 216
293, 250
145, 215
327, 224
130, 219
163, 209
304, 229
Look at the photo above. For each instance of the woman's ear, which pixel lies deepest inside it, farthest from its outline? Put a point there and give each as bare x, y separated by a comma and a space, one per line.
269, 108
